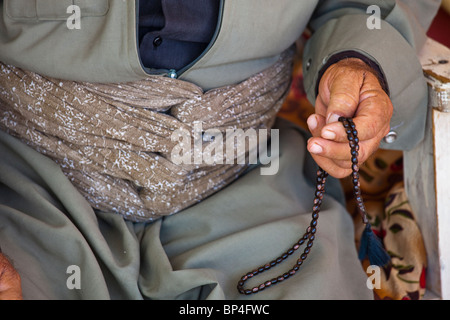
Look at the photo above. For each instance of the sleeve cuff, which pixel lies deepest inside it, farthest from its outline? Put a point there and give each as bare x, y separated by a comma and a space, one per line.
353, 54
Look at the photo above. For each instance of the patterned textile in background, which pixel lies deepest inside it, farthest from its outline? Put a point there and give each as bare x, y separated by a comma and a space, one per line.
387, 205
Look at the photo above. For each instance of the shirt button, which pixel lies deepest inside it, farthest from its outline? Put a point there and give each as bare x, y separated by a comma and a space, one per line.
157, 41
172, 74
308, 64
391, 137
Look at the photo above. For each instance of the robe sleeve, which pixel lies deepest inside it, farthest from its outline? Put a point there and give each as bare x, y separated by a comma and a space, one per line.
391, 43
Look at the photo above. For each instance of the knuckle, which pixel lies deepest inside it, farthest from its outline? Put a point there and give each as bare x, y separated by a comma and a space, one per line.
344, 164
373, 128
341, 173
343, 98
362, 155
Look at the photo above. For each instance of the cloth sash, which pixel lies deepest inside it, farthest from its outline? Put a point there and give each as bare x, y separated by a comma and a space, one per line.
114, 141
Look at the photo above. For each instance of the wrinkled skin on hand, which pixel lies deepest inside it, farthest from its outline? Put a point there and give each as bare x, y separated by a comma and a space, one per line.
348, 88
10, 285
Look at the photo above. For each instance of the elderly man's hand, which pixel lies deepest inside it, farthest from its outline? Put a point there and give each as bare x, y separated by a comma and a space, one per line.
10, 286
348, 88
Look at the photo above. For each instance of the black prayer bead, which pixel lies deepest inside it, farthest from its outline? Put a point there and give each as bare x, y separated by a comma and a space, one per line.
352, 135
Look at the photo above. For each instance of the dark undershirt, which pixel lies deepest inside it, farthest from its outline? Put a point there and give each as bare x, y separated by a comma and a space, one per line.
173, 33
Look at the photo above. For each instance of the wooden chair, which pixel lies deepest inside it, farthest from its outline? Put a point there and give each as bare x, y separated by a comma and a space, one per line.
427, 172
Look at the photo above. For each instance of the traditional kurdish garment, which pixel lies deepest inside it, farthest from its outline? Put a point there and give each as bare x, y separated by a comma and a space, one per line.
76, 107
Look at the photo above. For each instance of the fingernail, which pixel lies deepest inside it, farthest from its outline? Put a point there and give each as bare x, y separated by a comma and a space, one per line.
328, 134
332, 117
315, 148
312, 122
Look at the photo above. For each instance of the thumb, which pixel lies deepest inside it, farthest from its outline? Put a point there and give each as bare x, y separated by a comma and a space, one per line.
344, 96
340, 87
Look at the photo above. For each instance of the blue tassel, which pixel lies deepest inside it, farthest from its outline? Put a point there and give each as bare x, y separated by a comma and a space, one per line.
372, 248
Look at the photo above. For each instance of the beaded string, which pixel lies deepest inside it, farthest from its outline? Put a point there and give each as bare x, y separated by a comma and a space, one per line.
309, 235
353, 141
